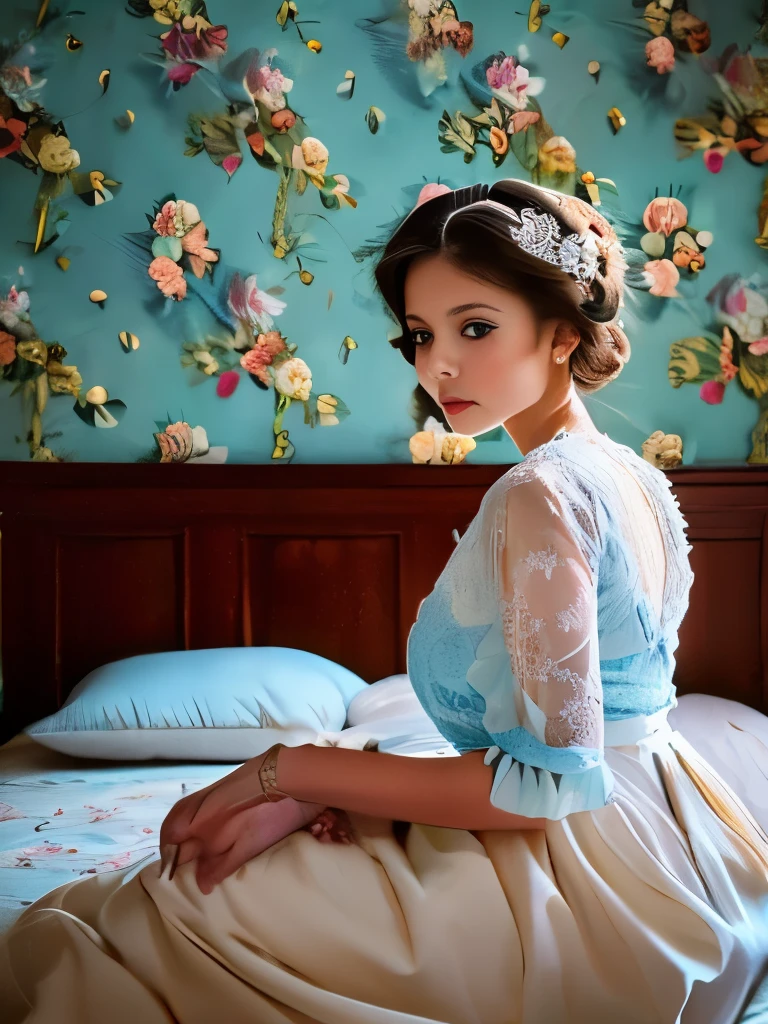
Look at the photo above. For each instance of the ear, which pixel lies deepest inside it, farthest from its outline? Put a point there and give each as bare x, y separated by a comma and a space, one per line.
565, 338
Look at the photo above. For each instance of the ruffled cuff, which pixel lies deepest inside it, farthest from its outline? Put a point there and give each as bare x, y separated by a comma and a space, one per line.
539, 793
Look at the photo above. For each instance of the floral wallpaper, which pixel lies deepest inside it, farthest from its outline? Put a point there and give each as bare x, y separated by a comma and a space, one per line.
192, 195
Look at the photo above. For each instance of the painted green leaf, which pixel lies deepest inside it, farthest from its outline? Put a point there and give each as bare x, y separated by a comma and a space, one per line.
753, 372
457, 134
167, 245
694, 360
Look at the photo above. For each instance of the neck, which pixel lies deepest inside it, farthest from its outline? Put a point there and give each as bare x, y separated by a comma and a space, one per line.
539, 423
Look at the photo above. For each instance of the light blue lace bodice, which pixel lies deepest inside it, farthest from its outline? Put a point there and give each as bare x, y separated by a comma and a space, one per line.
539, 629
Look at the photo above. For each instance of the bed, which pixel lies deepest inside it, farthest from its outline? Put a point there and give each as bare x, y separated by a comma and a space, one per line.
100, 562
63, 817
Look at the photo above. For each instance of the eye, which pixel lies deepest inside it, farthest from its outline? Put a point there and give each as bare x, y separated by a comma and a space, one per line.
417, 337
482, 328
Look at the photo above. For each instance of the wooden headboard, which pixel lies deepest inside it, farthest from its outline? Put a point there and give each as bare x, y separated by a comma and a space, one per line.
103, 561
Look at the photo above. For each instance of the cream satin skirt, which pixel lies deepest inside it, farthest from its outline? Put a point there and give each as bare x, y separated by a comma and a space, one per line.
652, 909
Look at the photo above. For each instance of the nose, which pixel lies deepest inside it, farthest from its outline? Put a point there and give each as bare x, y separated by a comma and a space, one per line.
440, 360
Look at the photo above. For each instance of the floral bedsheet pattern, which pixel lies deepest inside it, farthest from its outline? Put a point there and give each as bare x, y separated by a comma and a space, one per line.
62, 818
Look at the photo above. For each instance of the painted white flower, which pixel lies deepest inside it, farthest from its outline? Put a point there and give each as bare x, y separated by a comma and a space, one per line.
185, 217
751, 323
293, 378
421, 7
251, 304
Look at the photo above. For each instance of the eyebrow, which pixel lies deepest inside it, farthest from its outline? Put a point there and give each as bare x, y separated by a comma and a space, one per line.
456, 310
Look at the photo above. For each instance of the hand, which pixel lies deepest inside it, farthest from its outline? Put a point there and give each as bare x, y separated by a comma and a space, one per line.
331, 826
228, 823
247, 834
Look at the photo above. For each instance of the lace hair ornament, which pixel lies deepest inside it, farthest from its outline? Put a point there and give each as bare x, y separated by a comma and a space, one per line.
539, 234
570, 234
562, 230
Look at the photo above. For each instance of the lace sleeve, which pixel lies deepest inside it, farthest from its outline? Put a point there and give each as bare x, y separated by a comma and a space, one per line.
540, 676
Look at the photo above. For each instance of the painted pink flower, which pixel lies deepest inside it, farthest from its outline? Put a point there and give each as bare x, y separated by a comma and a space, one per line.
175, 442
660, 54
511, 79
120, 860
261, 355
757, 348
256, 361
193, 243
169, 277
227, 383
431, 191
12, 131
164, 222
273, 342
665, 214
183, 74
712, 392
7, 348
714, 158
252, 305
266, 84
17, 302
521, 120
231, 163
8, 813
664, 277
736, 302
208, 44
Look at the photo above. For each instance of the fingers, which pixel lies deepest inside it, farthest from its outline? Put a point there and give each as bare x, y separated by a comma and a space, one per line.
167, 854
188, 850
213, 870
176, 821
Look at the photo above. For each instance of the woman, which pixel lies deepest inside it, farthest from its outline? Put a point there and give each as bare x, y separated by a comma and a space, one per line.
580, 861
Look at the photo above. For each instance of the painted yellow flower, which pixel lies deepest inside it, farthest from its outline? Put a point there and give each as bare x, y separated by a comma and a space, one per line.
312, 157
34, 351
57, 156
165, 11
63, 380
557, 155
293, 378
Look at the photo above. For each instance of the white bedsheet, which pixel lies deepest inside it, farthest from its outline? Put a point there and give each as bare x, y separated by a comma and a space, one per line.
62, 817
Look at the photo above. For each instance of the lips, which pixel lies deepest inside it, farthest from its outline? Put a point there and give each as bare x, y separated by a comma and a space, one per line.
453, 405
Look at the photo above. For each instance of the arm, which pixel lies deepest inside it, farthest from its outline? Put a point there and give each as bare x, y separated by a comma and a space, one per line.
453, 793
540, 677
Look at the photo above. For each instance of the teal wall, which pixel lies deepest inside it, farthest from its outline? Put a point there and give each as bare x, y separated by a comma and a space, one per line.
385, 171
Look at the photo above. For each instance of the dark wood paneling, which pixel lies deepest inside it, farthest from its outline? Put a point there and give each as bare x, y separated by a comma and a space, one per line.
719, 648
337, 596
117, 595
103, 561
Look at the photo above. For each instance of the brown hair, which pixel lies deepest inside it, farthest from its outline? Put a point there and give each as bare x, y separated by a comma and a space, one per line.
470, 227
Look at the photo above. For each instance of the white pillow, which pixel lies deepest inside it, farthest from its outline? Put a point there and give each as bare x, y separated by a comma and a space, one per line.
390, 713
224, 704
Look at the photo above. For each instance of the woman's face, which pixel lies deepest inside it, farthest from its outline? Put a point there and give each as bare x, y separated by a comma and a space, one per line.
477, 342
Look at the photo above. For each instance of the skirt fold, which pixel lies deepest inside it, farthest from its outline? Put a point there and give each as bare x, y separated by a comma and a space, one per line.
651, 910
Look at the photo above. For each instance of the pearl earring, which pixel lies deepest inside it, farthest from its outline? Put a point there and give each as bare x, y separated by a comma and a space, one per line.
559, 359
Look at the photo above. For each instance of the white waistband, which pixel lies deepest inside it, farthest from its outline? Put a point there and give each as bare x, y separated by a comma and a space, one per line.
626, 731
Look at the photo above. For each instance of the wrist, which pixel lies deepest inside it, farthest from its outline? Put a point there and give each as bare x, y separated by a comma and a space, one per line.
268, 770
